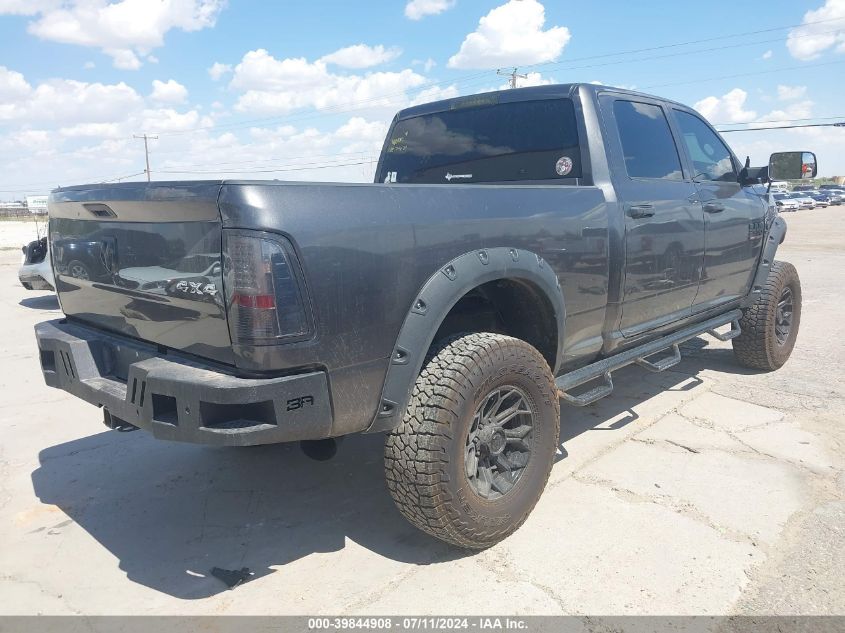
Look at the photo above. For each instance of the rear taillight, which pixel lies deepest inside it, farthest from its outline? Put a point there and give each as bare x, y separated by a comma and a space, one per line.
263, 289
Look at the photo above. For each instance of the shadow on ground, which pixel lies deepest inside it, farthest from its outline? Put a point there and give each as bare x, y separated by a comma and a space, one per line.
44, 302
170, 512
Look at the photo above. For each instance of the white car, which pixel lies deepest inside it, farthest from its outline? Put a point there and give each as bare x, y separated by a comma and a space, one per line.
785, 203
36, 271
803, 200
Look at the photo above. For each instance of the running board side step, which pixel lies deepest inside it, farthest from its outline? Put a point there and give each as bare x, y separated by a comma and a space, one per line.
639, 355
727, 336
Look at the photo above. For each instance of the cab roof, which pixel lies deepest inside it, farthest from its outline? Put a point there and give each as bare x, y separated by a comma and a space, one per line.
553, 91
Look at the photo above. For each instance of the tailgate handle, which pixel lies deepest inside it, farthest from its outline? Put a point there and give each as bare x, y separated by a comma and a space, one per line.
713, 207
100, 210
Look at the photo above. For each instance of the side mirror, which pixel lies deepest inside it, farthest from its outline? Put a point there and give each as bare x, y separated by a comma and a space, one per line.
792, 166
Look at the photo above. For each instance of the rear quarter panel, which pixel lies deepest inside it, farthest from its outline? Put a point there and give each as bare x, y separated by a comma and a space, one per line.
367, 250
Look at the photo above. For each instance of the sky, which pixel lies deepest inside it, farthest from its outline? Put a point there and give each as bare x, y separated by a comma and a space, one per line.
306, 90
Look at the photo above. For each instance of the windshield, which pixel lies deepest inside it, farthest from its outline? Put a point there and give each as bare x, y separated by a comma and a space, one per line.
524, 140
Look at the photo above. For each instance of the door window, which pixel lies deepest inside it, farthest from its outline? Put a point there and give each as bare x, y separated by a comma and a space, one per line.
647, 143
711, 160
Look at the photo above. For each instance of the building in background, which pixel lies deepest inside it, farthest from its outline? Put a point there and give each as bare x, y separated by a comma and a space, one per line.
31, 205
37, 204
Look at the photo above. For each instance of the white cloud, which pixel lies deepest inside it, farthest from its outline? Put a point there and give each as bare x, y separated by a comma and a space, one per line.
125, 30
362, 56
511, 35
729, 108
273, 85
795, 110
767, 55
26, 7
829, 148
811, 40
169, 120
89, 65
418, 9
170, 91
217, 70
96, 130
788, 93
124, 59
435, 93
13, 85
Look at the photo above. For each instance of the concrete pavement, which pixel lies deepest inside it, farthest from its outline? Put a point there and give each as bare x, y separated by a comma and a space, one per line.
708, 489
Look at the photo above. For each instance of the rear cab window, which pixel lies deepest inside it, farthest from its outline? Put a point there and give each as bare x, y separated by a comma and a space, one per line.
533, 140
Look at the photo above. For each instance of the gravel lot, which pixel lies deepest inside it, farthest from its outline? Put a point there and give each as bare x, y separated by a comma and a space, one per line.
14, 233
704, 490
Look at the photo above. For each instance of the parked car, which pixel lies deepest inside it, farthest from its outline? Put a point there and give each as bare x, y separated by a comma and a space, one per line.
803, 199
36, 271
785, 202
447, 305
821, 199
837, 196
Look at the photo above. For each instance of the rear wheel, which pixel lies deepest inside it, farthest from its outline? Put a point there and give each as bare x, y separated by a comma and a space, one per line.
78, 270
770, 325
476, 445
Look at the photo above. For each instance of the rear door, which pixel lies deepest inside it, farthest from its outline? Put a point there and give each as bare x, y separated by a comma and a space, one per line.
145, 261
664, 226
734, 215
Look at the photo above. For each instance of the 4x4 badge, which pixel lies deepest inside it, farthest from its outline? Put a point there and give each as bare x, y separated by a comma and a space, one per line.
196, 288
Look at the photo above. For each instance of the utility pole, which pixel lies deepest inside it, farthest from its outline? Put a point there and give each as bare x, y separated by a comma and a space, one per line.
513, 76
146, 150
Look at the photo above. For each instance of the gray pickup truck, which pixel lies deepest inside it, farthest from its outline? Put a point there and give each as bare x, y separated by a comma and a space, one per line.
516, 249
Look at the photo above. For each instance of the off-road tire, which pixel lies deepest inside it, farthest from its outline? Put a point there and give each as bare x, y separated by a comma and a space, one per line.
758, 346
425, 456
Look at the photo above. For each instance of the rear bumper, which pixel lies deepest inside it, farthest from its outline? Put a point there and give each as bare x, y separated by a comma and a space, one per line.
176, 398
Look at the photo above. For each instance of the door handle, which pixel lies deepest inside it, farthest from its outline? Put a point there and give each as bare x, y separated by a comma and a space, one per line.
639, 210
713, 207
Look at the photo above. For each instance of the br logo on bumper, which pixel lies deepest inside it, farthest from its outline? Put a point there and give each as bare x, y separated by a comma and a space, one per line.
298, 403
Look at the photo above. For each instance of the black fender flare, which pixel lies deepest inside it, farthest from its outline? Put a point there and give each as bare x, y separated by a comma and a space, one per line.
774, 238
437, 297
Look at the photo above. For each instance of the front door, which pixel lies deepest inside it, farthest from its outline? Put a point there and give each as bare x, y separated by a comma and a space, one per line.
734, 215
664, 224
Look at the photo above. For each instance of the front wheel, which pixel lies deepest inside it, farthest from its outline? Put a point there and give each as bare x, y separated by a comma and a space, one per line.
770, 325
476, 445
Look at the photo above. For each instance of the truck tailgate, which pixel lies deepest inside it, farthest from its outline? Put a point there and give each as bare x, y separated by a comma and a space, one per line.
144, 260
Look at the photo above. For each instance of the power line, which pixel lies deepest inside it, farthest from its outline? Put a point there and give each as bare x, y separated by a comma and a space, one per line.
691, 42
737, 75
783, 127
268, 171
473, 78
812, 118
119, 178
339, 108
